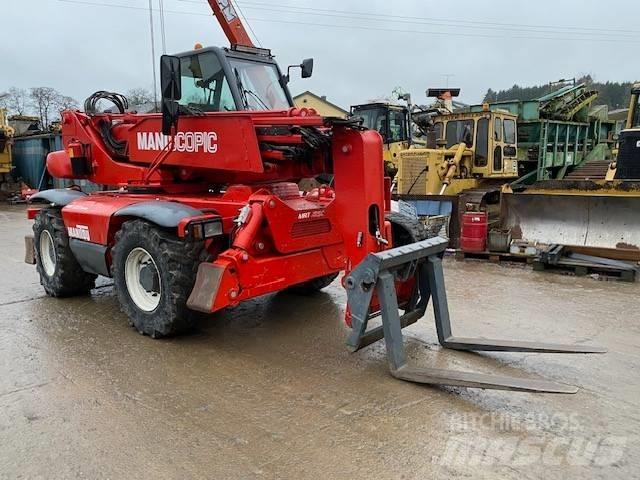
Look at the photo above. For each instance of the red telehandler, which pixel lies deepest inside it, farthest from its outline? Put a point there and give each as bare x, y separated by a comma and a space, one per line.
206, 213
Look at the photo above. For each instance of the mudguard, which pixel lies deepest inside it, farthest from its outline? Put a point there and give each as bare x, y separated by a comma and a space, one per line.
57, 197
161, 212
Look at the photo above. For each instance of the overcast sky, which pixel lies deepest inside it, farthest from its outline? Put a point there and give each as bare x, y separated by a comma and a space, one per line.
362, 48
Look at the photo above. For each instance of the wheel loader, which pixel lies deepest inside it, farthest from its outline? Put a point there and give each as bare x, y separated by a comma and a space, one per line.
205, 213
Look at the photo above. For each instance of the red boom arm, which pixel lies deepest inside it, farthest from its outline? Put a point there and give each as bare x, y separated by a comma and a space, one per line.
230, 22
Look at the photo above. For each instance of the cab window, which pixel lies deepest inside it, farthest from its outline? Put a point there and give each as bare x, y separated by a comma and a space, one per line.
636, 115
459, 131
482, 143
397, 126
204, 85
260, 83
437, 127
497, 159
510, 132
497, 130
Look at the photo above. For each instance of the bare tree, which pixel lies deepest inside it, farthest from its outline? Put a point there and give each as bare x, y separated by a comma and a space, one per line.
64, 102
44, 101
16, 101
139, 96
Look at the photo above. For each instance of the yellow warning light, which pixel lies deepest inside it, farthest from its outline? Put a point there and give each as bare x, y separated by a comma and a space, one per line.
197, 46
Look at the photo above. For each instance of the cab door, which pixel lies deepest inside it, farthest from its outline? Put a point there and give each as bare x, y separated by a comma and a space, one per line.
504, 143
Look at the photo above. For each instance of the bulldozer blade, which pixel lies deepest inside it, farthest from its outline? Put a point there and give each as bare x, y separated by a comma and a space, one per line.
452, 378
589, 219
446, 338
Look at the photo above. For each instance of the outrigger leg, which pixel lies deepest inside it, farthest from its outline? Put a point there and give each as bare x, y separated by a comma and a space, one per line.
380, 272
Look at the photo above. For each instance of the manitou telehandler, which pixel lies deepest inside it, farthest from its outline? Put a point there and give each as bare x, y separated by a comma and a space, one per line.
207, 214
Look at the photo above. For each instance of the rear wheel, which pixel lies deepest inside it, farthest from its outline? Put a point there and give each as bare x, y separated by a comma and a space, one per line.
154, 273
405, 229
60, 273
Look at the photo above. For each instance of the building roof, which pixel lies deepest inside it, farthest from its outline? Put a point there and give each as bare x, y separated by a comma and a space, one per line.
320, 98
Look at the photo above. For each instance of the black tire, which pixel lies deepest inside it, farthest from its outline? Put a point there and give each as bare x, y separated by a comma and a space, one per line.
406, 229
315, 285
67, 278
176, 261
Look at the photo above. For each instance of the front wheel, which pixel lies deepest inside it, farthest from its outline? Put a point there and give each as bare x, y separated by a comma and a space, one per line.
154, 273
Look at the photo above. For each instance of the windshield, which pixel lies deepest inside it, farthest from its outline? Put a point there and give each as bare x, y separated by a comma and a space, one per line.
374, 119
259, 85
204, 85
459, 131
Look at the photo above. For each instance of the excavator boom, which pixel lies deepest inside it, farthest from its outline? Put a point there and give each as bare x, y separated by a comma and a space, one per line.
230, 22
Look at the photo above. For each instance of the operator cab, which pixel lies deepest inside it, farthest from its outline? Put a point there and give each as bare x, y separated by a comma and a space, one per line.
215, 79
390, 121
627, 165
232, 79
635, 107
491, 136
393, 123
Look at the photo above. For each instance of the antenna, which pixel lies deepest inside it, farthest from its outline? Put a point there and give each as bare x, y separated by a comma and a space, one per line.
153, 56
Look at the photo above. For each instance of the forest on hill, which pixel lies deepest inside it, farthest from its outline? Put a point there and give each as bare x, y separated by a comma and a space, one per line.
613, 94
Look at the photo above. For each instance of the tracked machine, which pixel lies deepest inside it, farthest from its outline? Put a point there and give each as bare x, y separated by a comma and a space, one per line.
204, 211
595, 205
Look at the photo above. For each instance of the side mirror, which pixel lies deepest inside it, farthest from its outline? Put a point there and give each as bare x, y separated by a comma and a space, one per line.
171, 92
307, 70
307, 67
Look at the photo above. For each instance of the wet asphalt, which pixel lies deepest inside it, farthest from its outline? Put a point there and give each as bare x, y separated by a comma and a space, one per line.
268, 390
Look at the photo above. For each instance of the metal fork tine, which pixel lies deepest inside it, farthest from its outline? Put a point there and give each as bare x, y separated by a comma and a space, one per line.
490, 345
434, 376
433, 267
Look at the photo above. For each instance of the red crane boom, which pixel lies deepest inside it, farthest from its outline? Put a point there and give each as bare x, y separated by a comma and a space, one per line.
230, 22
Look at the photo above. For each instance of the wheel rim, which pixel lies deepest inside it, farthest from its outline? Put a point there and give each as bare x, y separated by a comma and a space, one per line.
137, 269
48, 257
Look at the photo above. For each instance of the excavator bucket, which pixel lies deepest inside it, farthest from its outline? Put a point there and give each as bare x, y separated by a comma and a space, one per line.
379, 273
603, 218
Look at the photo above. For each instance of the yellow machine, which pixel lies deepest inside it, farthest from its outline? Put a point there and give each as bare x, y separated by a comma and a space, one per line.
6, 134
393, 123
473, 150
